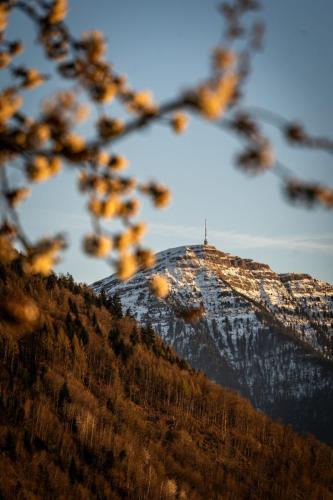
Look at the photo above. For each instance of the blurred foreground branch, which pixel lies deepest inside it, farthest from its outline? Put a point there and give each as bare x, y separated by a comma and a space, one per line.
38, 147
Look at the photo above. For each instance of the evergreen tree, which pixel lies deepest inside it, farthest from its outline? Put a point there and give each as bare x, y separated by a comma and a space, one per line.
113, 303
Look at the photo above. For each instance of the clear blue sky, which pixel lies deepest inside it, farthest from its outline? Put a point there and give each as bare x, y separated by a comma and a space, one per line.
164, 46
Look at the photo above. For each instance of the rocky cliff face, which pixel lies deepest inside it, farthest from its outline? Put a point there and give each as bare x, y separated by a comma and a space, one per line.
269, 336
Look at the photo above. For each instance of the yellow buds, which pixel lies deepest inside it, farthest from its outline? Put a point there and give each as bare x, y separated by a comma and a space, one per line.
10, 102
138, 231
131, 236
108, 128
123, 240
74, 143
94, 44
325, 196
39, 133
32, 79
226, 88
97, 246
6, 56
105, 208
208, 103
95, 204
92, 182
213, 100
118, 163
102, 158
161, 196
57, 12
65, 98
159, 286
126, 266
3, 17
145, 257
142, 102
100, 185
110, 206
105, 92
309, 193
43, 257
42, 167
16, 196
179, 122
5, 59
256, 158
19, 138
54, 165
130, 208
41, 264
143, 99
223, 59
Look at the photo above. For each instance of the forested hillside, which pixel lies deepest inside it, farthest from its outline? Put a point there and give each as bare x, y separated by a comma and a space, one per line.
93, 406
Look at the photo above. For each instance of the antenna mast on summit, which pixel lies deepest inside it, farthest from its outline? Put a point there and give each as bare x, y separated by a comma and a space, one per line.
205, 240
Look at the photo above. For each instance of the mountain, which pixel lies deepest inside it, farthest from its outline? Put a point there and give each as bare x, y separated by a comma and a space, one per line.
267, 335
92, 406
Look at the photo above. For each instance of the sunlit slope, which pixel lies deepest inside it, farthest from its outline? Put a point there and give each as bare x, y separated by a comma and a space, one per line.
93, 406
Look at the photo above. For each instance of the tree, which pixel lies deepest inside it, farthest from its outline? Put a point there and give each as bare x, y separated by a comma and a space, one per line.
64, 396
113, 303
39, 147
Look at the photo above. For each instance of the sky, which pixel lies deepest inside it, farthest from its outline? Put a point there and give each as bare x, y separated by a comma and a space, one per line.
166, 47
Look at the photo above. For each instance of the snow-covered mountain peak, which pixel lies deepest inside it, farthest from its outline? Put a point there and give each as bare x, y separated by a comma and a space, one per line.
265, 334
203, 275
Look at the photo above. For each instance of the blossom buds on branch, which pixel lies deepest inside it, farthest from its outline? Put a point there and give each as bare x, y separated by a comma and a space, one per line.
309, 193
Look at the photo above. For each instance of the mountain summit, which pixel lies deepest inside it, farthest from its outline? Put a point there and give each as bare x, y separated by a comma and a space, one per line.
267, 335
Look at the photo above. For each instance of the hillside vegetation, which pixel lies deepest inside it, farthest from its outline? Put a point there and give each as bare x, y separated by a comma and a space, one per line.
93, 406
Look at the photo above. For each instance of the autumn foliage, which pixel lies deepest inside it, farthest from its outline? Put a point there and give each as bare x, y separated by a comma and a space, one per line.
93, 406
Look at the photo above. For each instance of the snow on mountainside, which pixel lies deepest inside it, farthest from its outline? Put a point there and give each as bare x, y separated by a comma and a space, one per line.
267, 335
